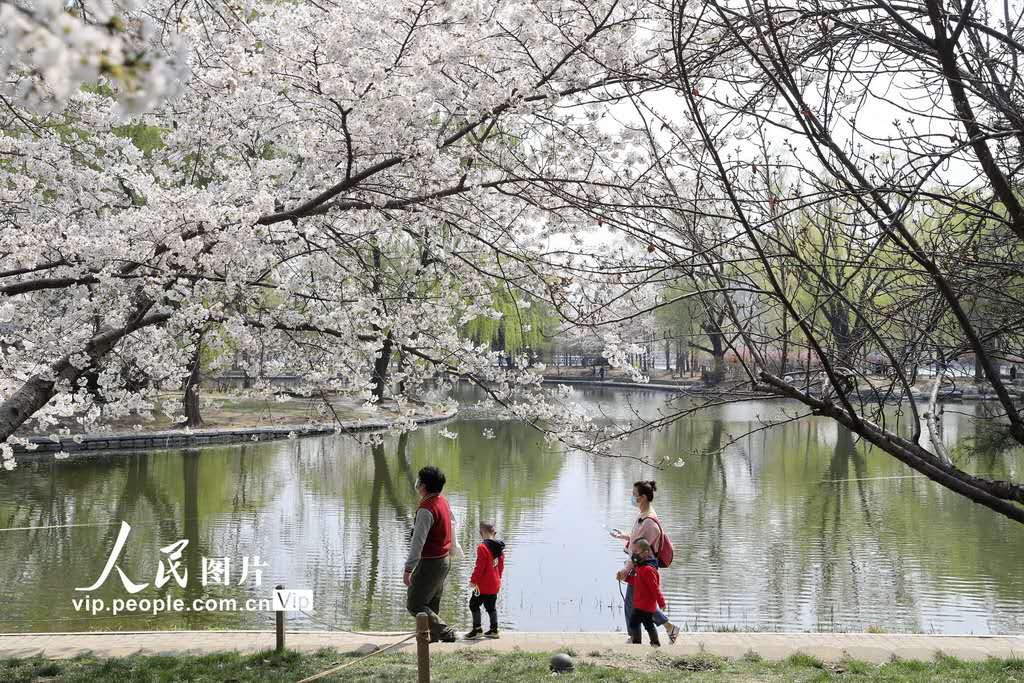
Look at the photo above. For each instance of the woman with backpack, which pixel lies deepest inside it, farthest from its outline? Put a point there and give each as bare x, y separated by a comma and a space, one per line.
647, 527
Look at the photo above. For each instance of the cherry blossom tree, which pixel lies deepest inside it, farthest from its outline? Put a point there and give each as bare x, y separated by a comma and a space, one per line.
49, 48
339, 190
333, 185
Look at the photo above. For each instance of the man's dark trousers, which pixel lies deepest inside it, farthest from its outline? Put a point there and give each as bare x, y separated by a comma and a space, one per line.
425, 591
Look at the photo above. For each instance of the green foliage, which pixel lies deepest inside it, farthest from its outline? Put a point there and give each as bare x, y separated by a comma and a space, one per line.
101, 89
146, 138
518, 328
683, 315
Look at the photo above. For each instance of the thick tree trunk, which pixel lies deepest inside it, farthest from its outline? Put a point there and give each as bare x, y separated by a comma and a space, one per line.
380, 368
190, 401
712, 327
37, 391
717, 357
845, 337
401, 369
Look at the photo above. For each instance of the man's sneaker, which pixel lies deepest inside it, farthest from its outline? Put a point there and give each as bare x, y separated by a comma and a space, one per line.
448, 636
474, 634
493, 633
673, 633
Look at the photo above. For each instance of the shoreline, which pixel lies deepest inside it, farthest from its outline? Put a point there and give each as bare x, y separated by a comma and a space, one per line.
871, 647
130, 441
111, 442
699, 389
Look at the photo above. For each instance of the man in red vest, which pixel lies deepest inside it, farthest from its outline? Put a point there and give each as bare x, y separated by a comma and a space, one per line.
428, 563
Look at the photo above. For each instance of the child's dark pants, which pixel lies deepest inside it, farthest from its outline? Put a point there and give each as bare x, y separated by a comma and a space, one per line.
490, 603
640, 617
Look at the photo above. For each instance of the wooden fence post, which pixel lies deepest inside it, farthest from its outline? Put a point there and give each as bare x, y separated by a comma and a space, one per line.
279, 615
423, 647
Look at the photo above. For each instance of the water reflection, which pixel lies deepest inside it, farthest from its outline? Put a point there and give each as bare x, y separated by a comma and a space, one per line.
799, 527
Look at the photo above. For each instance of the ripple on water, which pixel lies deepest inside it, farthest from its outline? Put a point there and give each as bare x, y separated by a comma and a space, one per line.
799, 528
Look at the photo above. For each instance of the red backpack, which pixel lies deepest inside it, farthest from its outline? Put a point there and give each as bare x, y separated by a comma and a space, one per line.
665, 553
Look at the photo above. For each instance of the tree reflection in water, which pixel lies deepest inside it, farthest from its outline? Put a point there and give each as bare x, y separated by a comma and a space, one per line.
794, 527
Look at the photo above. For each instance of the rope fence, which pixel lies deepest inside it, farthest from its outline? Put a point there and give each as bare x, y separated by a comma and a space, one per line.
422, 635
336, 669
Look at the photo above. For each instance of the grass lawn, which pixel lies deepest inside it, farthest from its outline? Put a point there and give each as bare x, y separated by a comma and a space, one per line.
474, 666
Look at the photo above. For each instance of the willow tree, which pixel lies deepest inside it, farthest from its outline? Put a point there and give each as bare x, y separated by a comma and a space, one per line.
519, 327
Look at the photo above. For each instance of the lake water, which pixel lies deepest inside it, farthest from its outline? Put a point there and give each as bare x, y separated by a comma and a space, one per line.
794, 528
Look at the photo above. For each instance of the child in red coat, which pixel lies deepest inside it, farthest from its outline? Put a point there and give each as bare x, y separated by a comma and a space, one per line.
486, 581
647, 596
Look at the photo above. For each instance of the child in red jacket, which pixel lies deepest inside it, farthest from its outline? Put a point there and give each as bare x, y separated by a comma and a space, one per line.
647, 595
486, 581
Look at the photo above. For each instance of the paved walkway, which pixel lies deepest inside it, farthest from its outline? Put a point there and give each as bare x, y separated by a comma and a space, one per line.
870, 647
